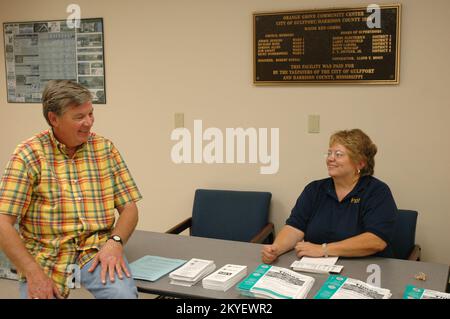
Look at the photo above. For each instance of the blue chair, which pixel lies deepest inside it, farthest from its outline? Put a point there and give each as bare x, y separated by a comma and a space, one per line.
404, 241
229, 215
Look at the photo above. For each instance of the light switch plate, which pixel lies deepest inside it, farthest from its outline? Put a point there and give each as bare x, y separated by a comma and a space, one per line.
313, 123
179, 120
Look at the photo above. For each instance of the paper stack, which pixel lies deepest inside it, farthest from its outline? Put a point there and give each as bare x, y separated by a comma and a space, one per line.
191, 272
317, 265
340, 287
276, 282
152, 268
413, 292
225, 277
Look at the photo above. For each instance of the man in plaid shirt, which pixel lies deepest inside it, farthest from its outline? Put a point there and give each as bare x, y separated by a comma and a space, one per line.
63, 187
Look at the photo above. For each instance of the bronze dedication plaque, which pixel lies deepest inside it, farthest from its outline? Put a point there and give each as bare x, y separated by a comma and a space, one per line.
352, 45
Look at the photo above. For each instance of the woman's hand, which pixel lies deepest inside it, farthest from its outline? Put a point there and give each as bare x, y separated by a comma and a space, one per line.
308, 249
269, 253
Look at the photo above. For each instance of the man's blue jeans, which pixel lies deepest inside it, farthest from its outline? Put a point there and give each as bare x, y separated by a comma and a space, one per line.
119, 289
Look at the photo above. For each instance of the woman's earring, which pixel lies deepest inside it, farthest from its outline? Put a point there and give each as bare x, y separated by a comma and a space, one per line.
359, 171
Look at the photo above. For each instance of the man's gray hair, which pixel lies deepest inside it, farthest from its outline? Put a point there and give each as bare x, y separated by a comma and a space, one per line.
58, 95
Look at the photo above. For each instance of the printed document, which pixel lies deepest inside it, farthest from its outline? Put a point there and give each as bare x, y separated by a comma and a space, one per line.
225, 277
413, 292
191, 272
275, 282
340, 287
321, 265
152, 268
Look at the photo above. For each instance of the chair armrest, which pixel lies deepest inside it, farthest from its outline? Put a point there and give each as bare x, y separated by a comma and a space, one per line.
263, 234
180, 227
415, 253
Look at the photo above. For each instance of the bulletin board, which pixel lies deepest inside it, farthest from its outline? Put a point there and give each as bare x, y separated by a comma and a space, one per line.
39, 51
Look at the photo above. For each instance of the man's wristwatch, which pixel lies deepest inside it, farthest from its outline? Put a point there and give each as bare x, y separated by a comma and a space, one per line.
117, 239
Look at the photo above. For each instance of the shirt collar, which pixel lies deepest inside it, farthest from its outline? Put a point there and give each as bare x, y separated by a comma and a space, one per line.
62, 147
359, 187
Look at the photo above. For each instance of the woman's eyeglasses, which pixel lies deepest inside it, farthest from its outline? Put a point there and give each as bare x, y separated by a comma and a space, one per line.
336, 154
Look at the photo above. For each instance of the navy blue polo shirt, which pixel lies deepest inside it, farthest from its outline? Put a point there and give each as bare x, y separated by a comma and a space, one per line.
369, 207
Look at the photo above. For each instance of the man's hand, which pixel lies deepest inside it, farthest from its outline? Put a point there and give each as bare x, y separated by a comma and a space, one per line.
40, 286
110, 257
269, 254
308, 249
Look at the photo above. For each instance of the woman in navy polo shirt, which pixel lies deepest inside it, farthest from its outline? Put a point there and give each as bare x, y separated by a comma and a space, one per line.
350, 214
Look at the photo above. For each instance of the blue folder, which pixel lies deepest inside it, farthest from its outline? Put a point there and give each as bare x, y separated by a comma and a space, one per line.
151, 268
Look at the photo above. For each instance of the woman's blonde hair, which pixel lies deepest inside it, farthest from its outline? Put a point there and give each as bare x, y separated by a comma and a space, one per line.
360, 146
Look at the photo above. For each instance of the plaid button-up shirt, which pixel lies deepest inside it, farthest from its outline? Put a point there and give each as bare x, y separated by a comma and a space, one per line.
65, 206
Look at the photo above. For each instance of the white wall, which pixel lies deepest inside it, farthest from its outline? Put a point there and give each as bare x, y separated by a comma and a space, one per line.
195, 57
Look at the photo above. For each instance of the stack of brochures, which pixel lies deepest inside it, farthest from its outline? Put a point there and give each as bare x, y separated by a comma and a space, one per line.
413, 292
340, 287
317, 265
225, 277
152, 268
276, 282
192, 272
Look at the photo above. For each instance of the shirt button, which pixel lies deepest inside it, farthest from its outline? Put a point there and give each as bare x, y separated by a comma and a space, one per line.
74, 181
78, 198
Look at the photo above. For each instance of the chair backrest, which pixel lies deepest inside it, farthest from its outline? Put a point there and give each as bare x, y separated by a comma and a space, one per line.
231, 215
405, 233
